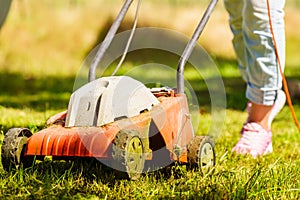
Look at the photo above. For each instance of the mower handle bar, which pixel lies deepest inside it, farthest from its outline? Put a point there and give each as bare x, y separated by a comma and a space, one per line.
190, 46
184, 57
108, 39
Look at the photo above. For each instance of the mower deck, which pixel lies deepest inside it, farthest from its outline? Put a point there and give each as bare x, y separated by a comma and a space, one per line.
163, 119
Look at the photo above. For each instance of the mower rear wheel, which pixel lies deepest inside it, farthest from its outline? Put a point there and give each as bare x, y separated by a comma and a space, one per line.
128, 154
201, 154
13, 146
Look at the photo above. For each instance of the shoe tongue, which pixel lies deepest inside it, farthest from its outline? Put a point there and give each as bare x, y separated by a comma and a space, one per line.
253, 126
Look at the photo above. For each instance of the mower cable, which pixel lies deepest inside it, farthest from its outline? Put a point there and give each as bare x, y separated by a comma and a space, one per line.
284, 82
129, 39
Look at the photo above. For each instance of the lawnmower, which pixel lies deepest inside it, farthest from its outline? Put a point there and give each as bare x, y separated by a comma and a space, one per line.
119, 121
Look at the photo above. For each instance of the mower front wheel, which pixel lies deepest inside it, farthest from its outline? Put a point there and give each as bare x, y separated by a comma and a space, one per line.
13, 146
128, 154
201, 154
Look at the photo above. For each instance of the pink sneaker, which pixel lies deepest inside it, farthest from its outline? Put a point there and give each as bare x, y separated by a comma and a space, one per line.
254, 140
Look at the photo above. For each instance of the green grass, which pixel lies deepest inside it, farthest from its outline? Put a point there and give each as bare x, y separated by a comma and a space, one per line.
38, 67
234, 177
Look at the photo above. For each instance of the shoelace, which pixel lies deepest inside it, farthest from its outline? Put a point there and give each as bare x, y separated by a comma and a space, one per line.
255, 138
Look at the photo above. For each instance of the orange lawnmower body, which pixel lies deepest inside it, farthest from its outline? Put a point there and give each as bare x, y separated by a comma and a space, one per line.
170, 118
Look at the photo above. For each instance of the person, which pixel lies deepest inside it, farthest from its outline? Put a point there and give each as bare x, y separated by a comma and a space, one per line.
253, 45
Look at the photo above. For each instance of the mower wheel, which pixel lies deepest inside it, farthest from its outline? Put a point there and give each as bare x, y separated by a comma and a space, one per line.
128, 154
13, 146
201, 154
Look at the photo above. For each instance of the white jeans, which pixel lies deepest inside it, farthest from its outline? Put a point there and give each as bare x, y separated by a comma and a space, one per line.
254, 48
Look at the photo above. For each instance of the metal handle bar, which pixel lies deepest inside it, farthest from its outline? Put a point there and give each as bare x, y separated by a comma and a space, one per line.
190, 46
108, 39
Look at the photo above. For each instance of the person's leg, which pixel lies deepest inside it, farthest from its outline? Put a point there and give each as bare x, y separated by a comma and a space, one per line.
276, 108
249, 22
264, 78
234, 9
263, 75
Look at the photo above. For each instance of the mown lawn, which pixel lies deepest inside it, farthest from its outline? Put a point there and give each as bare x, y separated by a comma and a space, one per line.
42, 49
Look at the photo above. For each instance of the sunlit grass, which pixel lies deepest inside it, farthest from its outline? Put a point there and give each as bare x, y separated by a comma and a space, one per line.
241, 177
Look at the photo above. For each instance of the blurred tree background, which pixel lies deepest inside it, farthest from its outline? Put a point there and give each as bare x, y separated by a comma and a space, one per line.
53, 36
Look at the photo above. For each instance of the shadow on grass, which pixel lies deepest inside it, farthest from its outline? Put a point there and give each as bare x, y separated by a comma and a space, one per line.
53, 92
38, 93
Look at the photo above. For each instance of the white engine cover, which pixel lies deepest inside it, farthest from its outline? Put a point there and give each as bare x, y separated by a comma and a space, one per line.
107, 99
